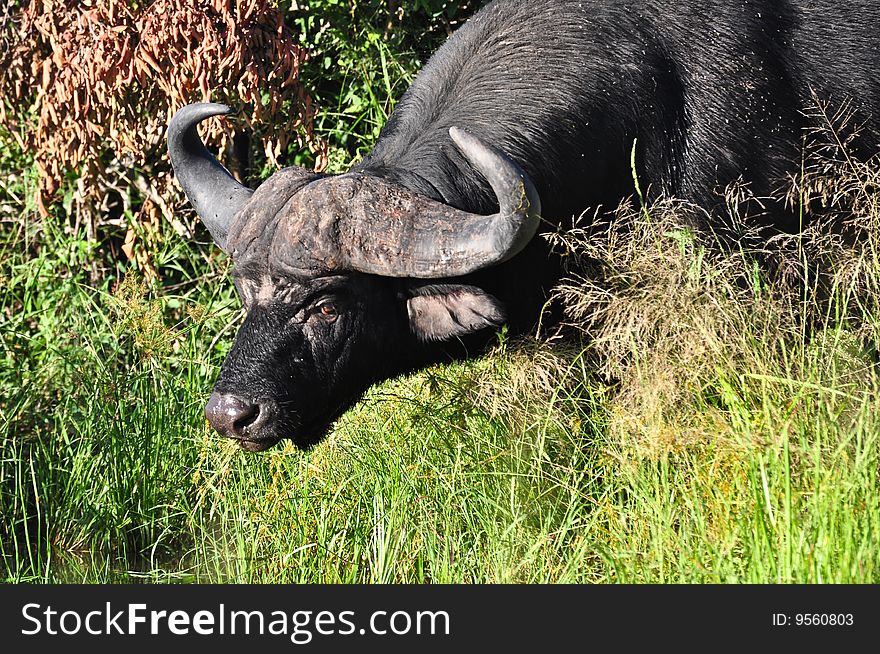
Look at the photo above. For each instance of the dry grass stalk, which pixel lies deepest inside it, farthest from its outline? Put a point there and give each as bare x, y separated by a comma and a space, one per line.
703, 344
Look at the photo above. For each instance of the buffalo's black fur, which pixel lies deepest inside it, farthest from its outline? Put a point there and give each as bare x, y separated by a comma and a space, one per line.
709, 90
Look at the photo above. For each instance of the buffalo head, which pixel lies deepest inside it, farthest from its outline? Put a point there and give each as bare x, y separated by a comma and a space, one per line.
345, 279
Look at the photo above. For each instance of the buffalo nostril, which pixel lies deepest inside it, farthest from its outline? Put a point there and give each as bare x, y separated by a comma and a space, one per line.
247, 417
231, 415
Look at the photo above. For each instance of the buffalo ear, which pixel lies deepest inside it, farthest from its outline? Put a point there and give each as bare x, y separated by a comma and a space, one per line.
439, 312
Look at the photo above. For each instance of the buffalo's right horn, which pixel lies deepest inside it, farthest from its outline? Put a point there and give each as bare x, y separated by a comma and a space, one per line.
397, 233
215, 194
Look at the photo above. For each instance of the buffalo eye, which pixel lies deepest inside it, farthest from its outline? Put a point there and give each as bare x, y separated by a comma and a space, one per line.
326, 311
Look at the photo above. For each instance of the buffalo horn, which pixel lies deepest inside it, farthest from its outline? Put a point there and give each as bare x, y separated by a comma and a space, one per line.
436, 240
215, 194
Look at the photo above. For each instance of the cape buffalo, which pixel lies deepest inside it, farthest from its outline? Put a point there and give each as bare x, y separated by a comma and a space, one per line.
528, 113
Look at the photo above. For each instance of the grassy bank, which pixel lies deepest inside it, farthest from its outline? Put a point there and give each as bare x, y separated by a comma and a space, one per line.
699, 435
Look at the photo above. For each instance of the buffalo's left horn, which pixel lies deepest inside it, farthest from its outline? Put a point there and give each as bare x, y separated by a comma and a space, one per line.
215, 194
409, 235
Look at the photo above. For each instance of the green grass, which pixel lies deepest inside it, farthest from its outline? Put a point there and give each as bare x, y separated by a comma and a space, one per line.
522, 466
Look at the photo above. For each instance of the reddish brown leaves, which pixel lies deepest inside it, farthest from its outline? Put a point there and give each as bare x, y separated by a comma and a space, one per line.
106, 76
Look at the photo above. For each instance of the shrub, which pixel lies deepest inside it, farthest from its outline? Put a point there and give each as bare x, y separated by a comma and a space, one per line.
89, 86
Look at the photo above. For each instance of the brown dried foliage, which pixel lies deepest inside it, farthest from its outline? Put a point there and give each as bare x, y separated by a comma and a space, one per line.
84, 78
